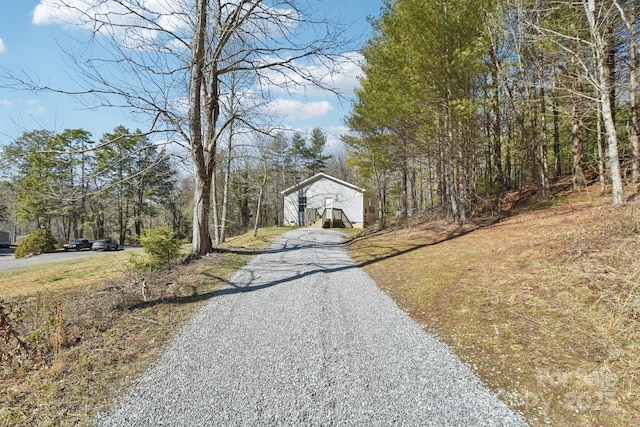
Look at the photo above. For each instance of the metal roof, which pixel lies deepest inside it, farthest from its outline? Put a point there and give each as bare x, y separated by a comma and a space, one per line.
317, 177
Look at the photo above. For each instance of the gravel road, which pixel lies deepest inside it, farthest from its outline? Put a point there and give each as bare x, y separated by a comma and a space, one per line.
301, 336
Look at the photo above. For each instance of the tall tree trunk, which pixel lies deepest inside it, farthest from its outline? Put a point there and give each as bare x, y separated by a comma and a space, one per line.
202, 205
533, 147
450, 180
123, 212
413, 184
256, 224
201, 243
225, 191
496, 123
214, 209
544, 158
617, 191
383, 199
610, 66
405, 181
578, 179
533, 123
633, 90
463, 173
602, 170
557, 161
221, 237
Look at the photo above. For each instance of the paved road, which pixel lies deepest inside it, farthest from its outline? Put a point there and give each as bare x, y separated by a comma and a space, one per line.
301, 336
7, 260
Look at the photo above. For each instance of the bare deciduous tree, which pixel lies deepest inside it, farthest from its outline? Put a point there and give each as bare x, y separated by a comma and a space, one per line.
166, 59
599, 43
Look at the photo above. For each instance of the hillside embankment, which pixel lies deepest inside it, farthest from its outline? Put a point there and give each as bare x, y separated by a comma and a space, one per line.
542, 300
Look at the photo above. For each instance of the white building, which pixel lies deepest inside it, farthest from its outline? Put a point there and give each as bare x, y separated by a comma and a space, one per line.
333, 202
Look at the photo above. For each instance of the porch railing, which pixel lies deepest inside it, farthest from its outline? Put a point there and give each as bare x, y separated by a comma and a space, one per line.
335, 218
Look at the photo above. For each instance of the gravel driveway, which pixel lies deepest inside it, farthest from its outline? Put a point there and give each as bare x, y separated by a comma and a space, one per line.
304, 337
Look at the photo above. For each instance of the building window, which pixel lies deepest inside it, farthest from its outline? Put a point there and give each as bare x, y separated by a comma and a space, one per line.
302, 203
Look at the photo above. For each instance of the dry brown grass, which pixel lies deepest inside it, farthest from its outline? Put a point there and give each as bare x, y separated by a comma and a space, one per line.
88, 342
544, 305
85, 271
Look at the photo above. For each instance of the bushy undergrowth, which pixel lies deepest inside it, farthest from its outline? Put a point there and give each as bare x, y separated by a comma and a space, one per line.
40, 241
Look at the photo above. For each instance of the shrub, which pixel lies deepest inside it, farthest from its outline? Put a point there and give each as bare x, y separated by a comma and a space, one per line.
39, 241
162, 246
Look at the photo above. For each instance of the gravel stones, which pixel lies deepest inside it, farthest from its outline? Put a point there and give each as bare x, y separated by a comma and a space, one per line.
303, 337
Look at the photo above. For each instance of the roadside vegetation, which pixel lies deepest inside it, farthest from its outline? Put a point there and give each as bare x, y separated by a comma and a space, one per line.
75, 335
40, 241
543, 302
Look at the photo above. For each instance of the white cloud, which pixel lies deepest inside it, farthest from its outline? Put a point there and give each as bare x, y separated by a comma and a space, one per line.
342, 76
132, 29
29, 106
296, 110
34, 107
137, 24
3, 47
57, 12
37, 110
334, 138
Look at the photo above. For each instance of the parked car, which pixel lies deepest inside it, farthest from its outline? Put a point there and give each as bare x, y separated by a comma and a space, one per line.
77, 245
107, 244
4, 245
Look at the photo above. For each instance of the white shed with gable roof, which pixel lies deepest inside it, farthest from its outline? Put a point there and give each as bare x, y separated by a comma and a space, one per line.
330, 202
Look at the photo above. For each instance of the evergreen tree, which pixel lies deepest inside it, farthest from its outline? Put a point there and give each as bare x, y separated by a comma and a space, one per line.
49, 178
315, 161
297, 155
135, 175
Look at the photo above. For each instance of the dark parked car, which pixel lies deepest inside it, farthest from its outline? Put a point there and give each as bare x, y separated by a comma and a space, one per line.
77, 245
107, 244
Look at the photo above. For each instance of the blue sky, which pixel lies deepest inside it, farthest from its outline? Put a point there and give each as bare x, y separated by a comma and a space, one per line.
37, 48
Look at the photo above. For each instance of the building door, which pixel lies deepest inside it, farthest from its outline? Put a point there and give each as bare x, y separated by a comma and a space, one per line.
328, 209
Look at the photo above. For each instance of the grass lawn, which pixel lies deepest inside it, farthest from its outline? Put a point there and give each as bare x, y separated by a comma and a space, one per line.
91, 326
85, 271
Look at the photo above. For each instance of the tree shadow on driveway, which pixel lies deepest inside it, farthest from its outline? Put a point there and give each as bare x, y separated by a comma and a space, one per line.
244, 286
